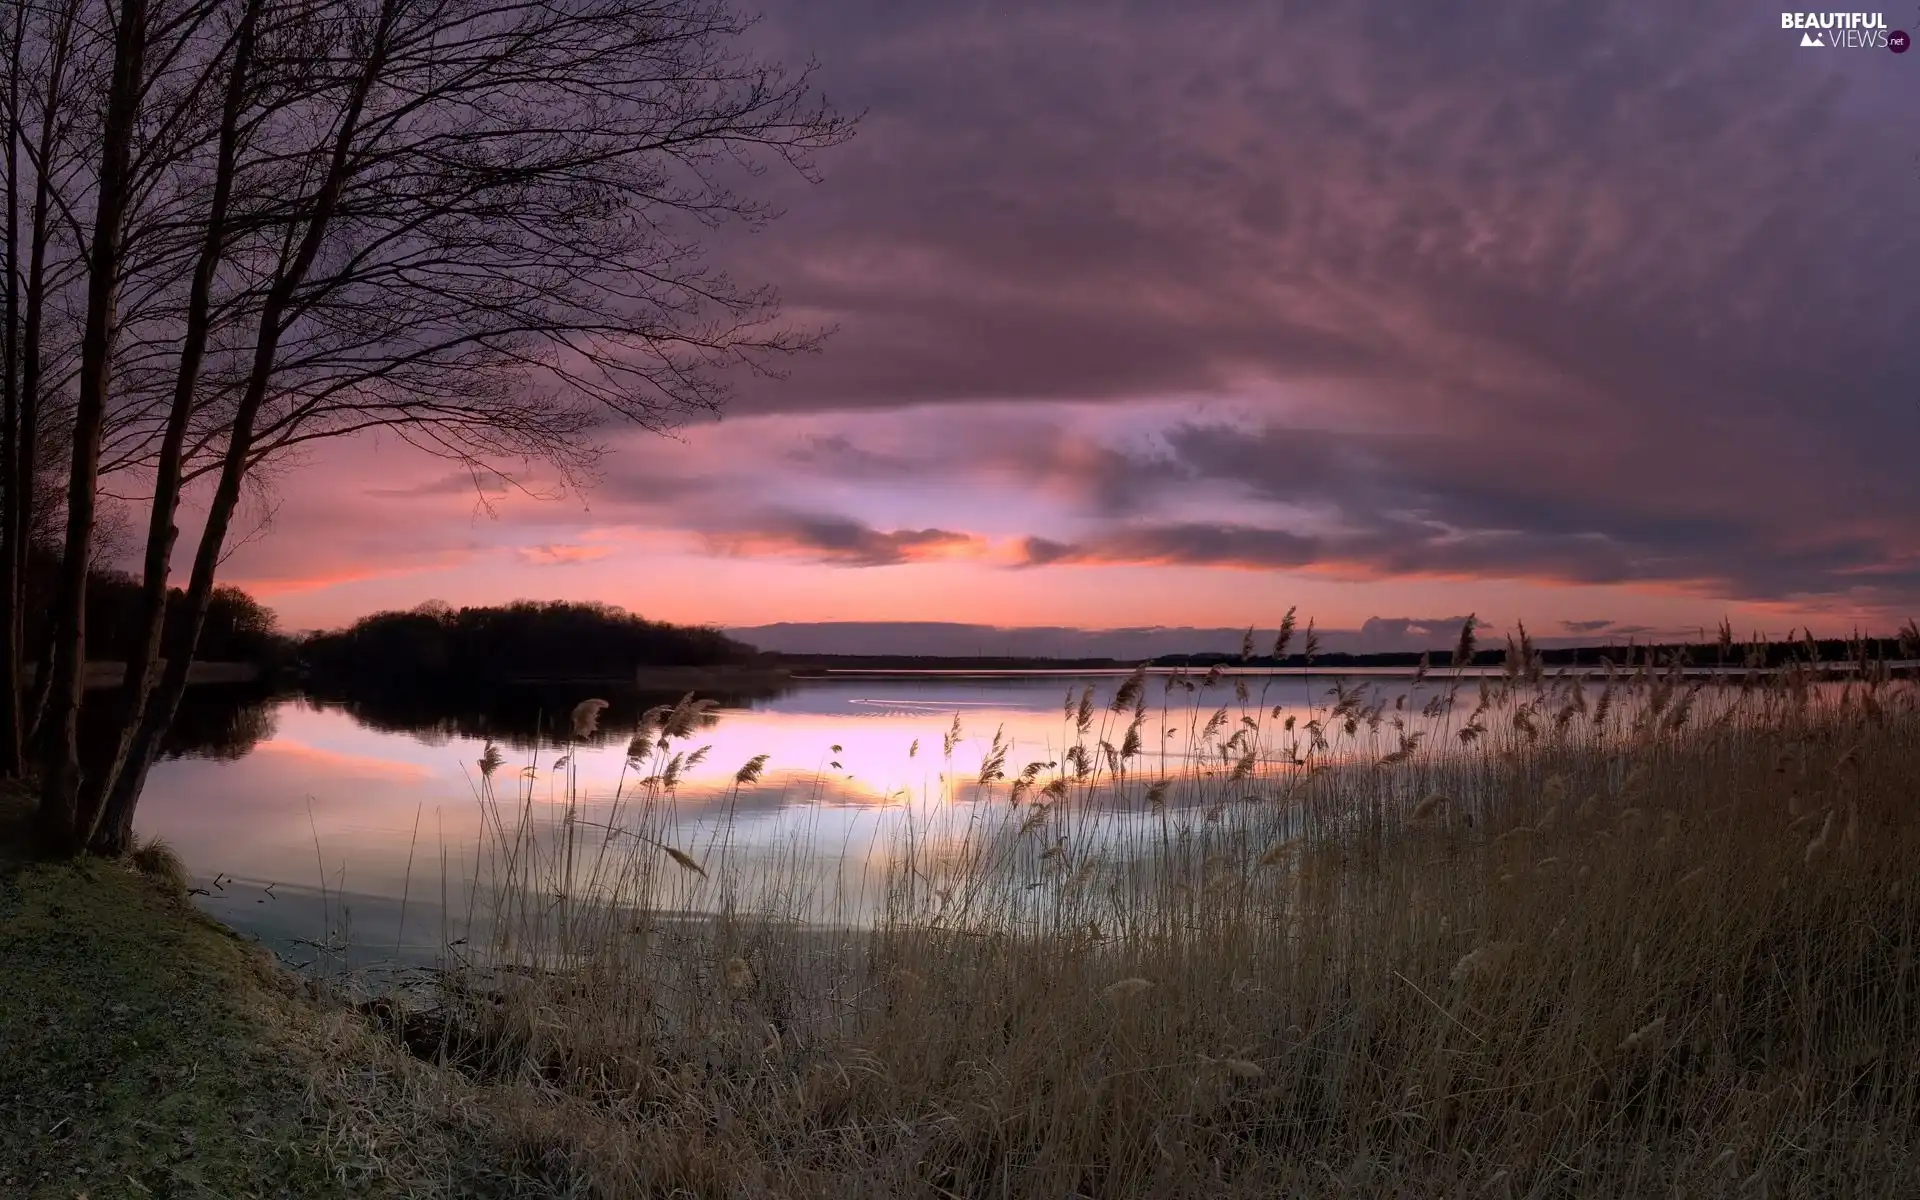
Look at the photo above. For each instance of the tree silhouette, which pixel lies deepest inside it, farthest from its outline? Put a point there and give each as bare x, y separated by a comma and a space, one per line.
475, 226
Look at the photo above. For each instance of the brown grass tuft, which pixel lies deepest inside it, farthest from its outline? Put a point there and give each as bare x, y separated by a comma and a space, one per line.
685, 860
586, 717
1279, 852
1484, 963
158, 861
1645, 1036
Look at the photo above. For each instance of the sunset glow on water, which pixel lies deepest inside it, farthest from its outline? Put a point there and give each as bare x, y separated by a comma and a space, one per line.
337, 814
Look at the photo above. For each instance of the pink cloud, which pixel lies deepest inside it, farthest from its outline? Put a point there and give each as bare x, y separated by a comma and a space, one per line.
842, 541
268, 585
344, 763
555, 554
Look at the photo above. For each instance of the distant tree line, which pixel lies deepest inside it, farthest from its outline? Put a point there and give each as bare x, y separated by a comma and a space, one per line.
945, 662
524, 641
1695, 654
238, 628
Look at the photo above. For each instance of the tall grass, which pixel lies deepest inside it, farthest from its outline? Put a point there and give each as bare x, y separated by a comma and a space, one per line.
1527, 936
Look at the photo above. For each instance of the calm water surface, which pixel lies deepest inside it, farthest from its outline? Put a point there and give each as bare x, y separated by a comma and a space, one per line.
306, 819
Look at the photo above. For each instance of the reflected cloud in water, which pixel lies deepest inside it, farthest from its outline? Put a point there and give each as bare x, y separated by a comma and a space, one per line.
380, 799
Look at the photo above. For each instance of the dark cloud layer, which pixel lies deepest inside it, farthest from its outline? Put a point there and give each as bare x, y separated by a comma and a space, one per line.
1762, 524
1588, 291
1589, 626
839, 541
1770, 523
1580, 291
1073, 199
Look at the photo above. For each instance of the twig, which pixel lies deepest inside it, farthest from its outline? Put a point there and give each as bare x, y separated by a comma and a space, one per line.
1443, 1012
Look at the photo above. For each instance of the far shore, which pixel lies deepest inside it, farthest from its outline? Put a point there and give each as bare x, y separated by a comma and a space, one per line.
958, 669
698, 677
111, 674
719, 676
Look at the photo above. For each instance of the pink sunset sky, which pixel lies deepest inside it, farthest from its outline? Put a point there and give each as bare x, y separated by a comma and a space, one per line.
1154, 315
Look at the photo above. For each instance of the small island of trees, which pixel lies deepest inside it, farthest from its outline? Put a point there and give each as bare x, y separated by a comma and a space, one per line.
526, 641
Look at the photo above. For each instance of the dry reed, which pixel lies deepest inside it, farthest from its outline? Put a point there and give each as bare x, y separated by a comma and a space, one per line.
1431, 974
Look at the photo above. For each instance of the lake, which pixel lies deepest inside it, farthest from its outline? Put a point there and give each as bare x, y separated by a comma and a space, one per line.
312, 822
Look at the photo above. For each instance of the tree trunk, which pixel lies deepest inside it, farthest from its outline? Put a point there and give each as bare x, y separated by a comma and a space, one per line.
114, 833
13, 483
27, 449
125, 794
63, 826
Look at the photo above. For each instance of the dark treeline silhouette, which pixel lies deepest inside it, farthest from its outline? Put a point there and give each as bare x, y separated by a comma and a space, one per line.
801, 664
238, 628
525, 641
1693, 654
220, 721
235, 228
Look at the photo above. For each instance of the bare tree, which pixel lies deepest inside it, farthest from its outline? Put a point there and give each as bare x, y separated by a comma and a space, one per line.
37, 58
140, 678
474, 225
68, 652
11, 477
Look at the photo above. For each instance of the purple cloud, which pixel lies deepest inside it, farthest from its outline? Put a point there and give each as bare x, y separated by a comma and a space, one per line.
839, 541
1562, 292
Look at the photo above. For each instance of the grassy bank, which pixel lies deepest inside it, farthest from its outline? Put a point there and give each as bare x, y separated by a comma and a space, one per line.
148, 1051
144, 1050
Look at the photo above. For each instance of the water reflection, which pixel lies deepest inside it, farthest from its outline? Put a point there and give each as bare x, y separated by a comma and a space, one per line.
515, 716
215, 721
309, 817
312, 819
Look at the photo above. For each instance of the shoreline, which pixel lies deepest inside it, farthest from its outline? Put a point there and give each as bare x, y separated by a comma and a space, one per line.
664, 678
1433, 674
151, 1050
713, 677
108, 673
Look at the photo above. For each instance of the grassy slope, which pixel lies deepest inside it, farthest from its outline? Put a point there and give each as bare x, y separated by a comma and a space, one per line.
144, 1049
147, 1050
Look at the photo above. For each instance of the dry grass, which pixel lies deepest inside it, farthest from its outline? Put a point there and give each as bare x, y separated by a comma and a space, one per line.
1658, 940
158, 861
147, 1051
